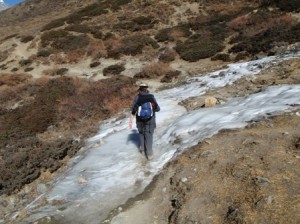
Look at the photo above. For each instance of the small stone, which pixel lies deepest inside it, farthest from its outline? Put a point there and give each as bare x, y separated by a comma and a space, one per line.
120, 209
206, 153
81, 180
184, 179
269, 200
286, 178
164, 189
262, 180
207, 142
41, 188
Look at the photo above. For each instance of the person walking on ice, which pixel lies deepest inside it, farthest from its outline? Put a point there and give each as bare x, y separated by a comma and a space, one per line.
144, 107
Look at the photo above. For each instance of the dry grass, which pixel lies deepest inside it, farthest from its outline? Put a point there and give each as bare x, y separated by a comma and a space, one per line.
154, 70
14, 79
74, 56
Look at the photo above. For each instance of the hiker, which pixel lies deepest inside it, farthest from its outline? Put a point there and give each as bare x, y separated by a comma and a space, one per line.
145, 122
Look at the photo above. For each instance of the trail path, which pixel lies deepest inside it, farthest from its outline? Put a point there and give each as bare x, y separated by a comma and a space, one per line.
110, 170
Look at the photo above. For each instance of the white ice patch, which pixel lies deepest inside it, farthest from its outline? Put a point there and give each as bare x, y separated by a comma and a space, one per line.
111, 166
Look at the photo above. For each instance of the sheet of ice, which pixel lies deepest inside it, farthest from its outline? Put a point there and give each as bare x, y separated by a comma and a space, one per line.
110, 169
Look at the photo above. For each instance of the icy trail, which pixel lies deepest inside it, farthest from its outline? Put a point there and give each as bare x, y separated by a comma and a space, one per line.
110, 169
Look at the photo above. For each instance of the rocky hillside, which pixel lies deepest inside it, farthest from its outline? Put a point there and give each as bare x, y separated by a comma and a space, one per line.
65, 66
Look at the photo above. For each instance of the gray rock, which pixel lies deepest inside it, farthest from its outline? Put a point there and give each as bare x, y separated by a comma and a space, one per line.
41, 188
262, 181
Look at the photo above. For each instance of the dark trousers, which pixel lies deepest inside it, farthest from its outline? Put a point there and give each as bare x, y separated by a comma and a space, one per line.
146, 130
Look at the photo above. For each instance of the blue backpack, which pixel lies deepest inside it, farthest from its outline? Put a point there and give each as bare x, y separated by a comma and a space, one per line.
145, 111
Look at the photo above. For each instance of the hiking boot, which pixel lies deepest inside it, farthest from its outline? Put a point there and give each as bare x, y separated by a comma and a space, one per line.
150, 157
142, 152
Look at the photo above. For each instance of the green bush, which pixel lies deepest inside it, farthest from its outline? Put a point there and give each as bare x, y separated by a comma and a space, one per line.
94, 64
9, 37
26, 39
137, 24
43, 53
194, 50
222, 57
3, 55
288, 5
265, 41
62, 40
25, 62
133, 45
28, 69
50, 36
79, 28
167, 56
62, 71
170, 34
54, 24
113, 70
170, 76
14, 69
285, 5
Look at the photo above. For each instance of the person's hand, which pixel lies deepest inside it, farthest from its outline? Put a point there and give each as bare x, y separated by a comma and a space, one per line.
130, 122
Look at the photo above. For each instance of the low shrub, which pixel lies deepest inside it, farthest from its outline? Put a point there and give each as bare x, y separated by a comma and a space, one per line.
43, 53
265, 41
26, 39
132, 45
54, 24
94, 64
14, 69
170, 76
289, 6
113, 69
3, 55
137, 24
97, 34
65, 103
3, 66
221, 57
194, 50
63, 41
88, 11
25, 62
167, 56
50, 36
28, 69
174, 33
79, 28
154, 70
62, 71
9, 37
13, 79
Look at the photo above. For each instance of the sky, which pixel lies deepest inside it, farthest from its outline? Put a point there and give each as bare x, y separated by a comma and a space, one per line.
13, 2
109, 169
